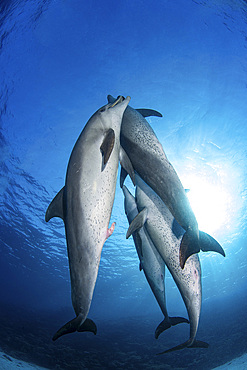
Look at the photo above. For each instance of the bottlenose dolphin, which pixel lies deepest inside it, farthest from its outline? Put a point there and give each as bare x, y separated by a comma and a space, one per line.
151, 262
85, 205
159, 224
150, 162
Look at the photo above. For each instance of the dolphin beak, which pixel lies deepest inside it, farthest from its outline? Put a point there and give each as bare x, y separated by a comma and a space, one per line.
119, 100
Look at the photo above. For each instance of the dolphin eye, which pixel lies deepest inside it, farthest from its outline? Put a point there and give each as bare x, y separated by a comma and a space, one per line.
102, 110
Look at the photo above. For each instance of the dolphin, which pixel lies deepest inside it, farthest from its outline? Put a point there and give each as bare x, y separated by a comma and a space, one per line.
159, 224
85, 205
150, 162
151, 262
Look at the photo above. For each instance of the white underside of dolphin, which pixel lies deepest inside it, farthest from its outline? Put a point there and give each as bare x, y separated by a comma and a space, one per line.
159, 223
151, 263
85, 205
150, 162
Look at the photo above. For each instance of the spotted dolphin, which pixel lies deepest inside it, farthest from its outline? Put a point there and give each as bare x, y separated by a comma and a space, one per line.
150, 162
85, 205
159, 224
152, 264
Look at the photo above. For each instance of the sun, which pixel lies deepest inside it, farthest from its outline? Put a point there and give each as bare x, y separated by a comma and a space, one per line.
210, 204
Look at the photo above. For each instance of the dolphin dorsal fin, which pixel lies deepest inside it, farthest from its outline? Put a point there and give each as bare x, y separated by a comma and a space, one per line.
107, 146
137, 223
55, 208
149, 112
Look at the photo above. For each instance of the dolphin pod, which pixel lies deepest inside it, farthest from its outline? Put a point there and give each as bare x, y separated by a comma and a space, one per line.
159, 223
85, 205
162, 223
150, 162
151, 262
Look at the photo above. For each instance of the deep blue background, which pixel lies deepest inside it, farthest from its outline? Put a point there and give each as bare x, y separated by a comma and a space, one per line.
58, 62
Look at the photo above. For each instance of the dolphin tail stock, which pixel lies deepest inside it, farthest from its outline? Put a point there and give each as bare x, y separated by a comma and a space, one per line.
77, 324
167, 323
189, 245
188, 344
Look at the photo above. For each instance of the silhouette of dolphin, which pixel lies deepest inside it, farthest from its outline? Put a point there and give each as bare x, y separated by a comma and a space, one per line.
85, 205
150, 162
159, 224
152, 264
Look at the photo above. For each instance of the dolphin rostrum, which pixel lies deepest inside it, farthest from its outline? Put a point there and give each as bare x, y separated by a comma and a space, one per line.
85, 205
159, 223
151, 262
150, 162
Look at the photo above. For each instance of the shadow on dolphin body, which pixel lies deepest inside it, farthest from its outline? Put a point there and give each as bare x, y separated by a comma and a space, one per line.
151, 263
150, 162
85, 205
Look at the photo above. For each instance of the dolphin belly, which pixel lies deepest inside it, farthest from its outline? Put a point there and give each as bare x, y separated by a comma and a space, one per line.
85, 205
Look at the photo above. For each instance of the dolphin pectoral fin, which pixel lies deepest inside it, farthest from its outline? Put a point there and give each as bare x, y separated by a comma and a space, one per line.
137, 223
123, 175
189, 245
149, 112
107, 146
77, 324
188, 344
55, 208
127, 166
209, 244
167, 323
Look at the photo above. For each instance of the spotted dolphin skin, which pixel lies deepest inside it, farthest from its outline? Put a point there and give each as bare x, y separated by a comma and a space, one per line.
151, 263
159, 224
150, 162
85, 205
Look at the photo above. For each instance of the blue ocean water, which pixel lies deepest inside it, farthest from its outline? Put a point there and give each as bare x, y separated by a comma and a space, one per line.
58, 62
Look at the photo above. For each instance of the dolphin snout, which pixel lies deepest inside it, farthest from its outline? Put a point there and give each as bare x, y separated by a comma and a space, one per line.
119, 99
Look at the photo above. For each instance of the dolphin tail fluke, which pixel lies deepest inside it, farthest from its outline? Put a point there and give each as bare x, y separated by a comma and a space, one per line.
164, 325
167, 323
76, 325
189, 245
209, 244
187, 344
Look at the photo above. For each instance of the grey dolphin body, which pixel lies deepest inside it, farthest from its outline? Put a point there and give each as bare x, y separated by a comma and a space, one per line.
85, 205
152, 264
150, 162
159, 223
